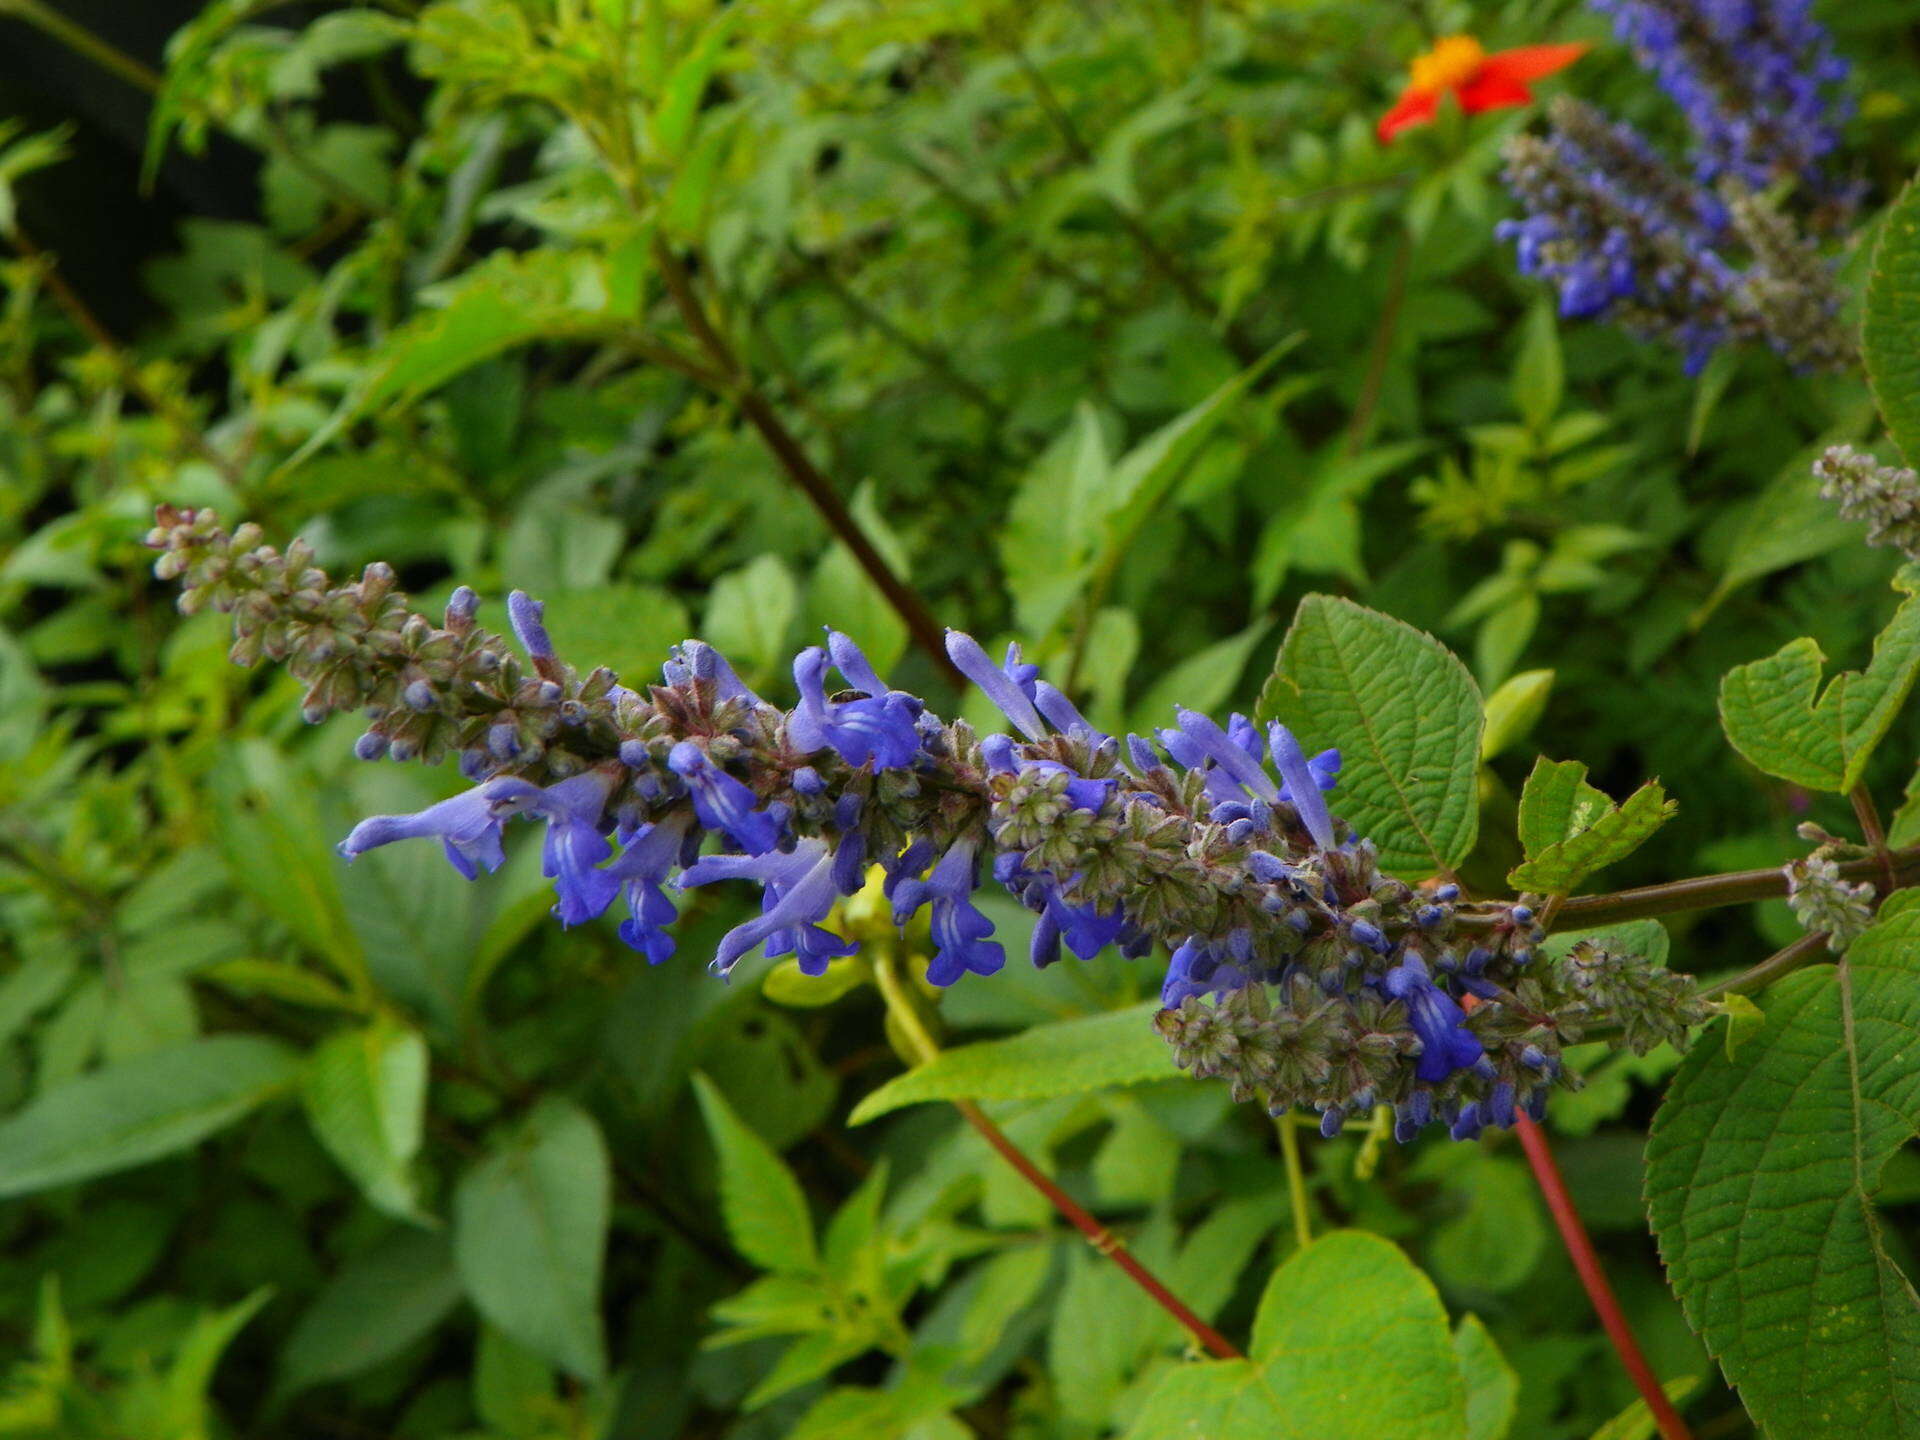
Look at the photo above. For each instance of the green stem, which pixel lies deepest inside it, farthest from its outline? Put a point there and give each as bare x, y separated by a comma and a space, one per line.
83, 42
1801, 953
1288, 1125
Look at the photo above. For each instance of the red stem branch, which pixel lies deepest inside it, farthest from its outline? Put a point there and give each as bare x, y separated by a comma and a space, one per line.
1573, 1233
1101, 1238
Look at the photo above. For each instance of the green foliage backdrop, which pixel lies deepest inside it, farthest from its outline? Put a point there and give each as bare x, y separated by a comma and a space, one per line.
1113, 328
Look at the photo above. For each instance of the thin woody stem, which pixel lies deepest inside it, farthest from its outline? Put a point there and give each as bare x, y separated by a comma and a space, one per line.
1705, 892
78, 311
903, 1009
142, 76
1875, 833
796, 464
1802, 952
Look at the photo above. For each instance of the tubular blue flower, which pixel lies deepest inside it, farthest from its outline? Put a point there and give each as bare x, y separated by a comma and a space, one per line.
1009, 687
695, 660
1446, 1043
1228, 754
879, 727
1199, 968
800, 891
525, 614
1305, 780
1064, 715
466, 826
642, 870
721, 802
960, 931
576, 843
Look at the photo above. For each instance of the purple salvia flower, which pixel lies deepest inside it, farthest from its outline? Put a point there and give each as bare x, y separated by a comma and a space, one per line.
576, 844
721, 802
695, 660
1062, 713
642, 870
1305, 782
1198, 968
466, 825
1010, 688
960, 931
1446, 1043
525, 613
1228, 754
879, 728
800, 891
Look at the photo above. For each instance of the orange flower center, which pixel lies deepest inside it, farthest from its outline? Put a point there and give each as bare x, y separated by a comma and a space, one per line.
1448, 65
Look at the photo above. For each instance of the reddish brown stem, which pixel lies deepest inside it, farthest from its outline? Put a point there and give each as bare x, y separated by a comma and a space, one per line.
798, 466
1098, 1236
1573, 1233
1875, 833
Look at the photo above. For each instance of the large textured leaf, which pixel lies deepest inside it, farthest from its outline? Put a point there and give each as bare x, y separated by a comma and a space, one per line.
1093, 1052
1405, 715
1770, 713
530, 1234
1890, 330
1761, 1171
1350, 1343
365, 1093
765, 1210
1569, 829
157, 1104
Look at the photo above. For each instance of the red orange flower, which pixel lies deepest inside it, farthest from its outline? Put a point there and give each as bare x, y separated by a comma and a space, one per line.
1458, 64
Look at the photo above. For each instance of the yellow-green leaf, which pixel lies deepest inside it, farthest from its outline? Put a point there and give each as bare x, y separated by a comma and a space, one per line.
1569, 829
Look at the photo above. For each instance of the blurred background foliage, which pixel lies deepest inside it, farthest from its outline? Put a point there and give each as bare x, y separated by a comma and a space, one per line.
1118, 331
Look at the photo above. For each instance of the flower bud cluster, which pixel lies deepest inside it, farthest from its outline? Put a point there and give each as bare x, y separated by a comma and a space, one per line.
1300, 972
1887, 497
1821, 900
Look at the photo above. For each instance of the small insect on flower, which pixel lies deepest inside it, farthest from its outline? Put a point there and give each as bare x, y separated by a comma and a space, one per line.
1459, 65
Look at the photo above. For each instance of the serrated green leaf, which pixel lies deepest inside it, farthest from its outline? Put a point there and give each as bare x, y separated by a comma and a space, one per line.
763, 1205
1569, 829
1493, 1390
530, 1235
1769, 711
1091, 1052
1761, 1172
1406, 717
160, 1103
1347, 1294
1890, 327
365, 1093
